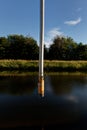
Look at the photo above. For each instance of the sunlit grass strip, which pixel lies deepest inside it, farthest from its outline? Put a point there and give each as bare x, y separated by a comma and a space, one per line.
66, 66
18, 65
49, 66
17, 73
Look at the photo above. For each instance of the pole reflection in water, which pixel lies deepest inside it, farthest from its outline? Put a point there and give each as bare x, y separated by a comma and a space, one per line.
41, 88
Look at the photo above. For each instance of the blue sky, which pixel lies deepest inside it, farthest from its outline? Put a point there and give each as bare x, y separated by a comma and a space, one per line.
62, 17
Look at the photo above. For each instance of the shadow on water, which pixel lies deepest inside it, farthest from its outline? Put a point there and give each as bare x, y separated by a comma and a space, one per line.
64, 105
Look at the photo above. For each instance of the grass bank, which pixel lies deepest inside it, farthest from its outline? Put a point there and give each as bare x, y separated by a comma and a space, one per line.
65, 66
18, 65
49, 66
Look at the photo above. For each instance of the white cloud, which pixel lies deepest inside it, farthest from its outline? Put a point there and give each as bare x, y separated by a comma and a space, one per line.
55, 31
73, 22
51, 34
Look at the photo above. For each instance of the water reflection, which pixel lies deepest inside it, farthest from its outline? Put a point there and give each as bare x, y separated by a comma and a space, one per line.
63, 105
66, 84
59, 85
41, 87
18, 85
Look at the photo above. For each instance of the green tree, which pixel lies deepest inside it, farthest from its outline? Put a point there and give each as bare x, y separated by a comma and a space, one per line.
16, 46
81, 52
22, 47
69, 47
4, 45
46, 52
31, 49
55, 50
63, 48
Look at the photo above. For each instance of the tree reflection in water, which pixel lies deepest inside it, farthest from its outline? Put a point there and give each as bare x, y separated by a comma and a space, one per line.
66, 83
18, 85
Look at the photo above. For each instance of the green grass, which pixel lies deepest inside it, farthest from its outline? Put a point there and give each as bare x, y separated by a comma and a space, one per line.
49, 66
66, 66
19, 65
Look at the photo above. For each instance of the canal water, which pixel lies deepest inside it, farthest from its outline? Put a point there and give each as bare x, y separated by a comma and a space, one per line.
64, 105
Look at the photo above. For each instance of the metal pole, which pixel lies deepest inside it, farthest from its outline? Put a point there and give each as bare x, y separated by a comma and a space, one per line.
41, 50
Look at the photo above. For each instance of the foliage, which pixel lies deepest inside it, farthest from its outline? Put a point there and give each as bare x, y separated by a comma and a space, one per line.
18, 47
26, 48
62, 49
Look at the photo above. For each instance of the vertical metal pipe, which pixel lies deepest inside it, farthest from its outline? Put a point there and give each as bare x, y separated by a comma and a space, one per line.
41, 47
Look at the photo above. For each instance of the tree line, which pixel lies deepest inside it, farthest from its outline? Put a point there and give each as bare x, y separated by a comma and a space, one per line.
18, 47
24, 47
65, 48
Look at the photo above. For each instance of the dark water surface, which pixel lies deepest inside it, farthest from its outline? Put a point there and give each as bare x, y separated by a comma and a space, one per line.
64, 105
